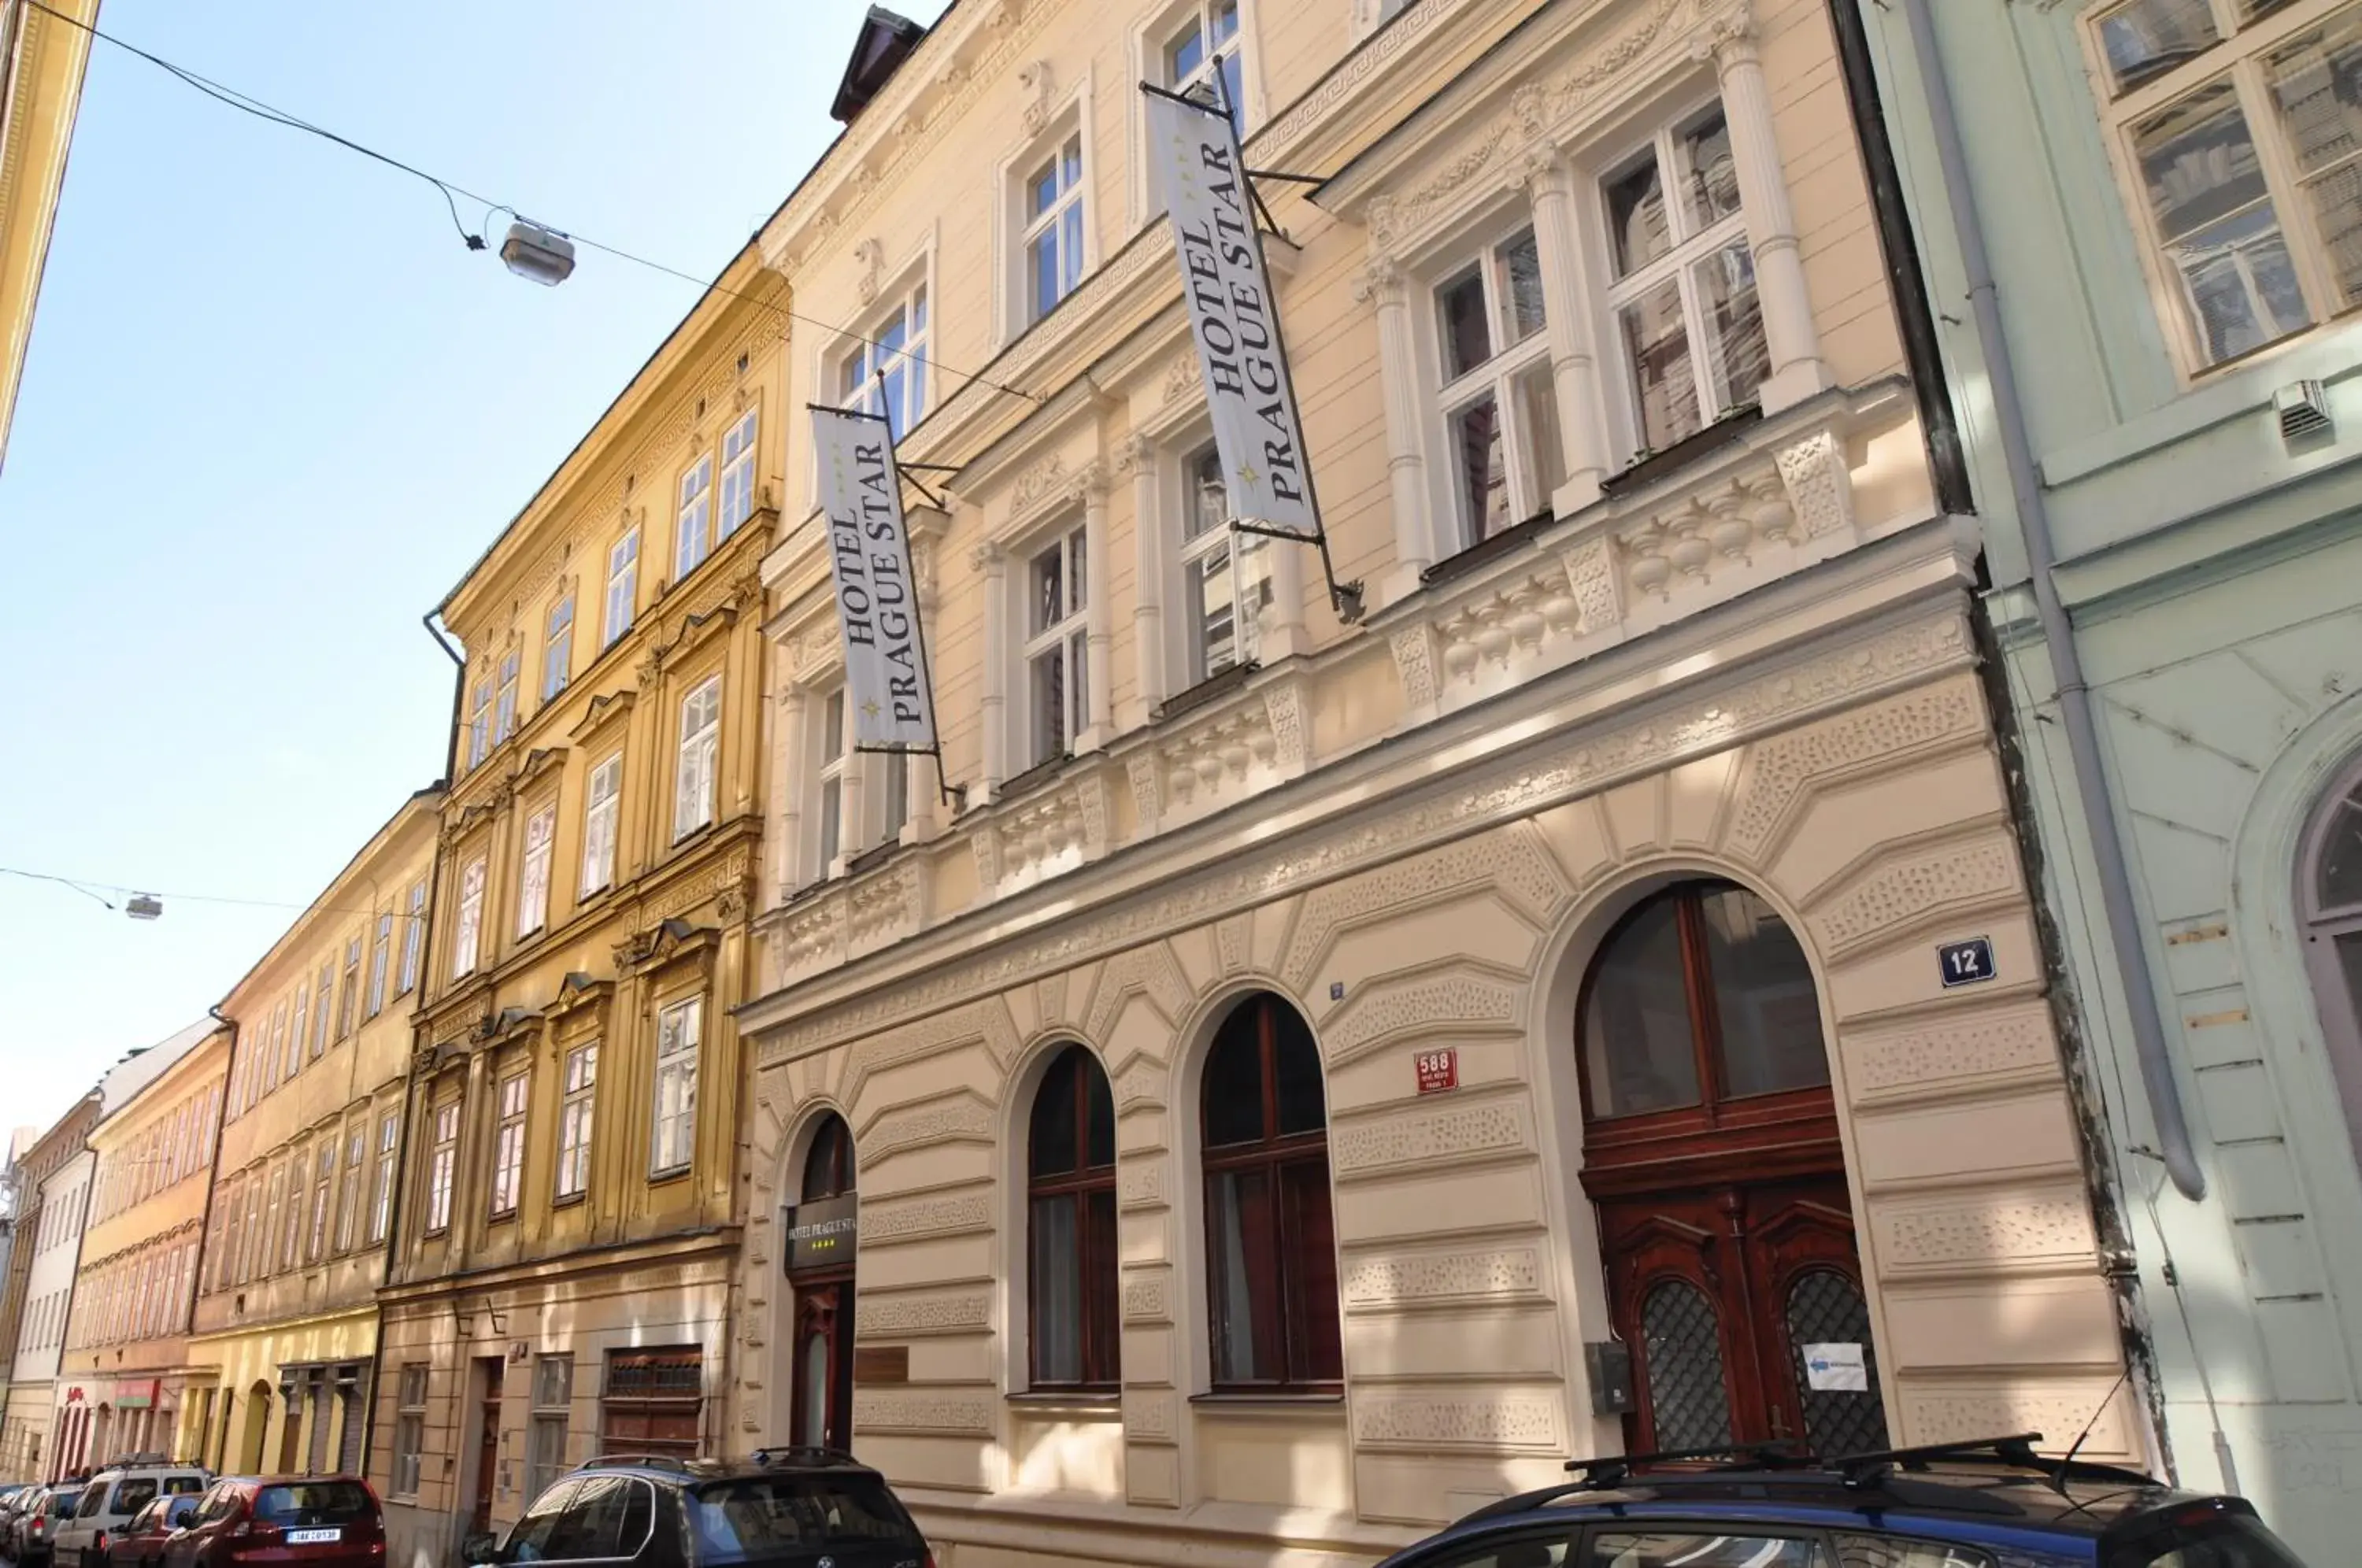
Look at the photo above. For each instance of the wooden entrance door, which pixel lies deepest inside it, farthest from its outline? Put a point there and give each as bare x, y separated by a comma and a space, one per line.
488, 1444
1711, 1149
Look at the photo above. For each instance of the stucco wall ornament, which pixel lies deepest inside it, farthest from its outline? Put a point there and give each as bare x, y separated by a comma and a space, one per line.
1038, 482
1033, 82
1391, 1281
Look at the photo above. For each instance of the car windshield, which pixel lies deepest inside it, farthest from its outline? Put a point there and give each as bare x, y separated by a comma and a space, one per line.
304, 1503
766, 1516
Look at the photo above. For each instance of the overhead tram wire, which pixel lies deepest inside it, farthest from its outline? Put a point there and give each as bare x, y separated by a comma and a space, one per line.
87, 886
247, 104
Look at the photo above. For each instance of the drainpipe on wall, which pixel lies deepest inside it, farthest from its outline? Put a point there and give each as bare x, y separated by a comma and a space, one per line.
2164, 1092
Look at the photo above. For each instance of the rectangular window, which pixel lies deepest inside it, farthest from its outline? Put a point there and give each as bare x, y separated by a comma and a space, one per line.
1499, 407
532, 885
623, 587
272, 1227
252, 1253
1056, 666
1225, 577
1683, 296
674, 1135
409, 1429
413, 932
389, 1133
700, 747
1208, 32
887, 374
348, 1199
831, 779
737, 475
598, 825
292, 1053
320, 1017
441, 1165
504, 715
553, 1400
557, 648
349, 998
574, 1120
324, 1179
652, 1402
471, 919
479, 720
1053, 229
693, 536
508, 1145
290, 1235
381, 960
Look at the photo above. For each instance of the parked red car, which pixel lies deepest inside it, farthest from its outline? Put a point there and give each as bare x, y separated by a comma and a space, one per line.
283, 1521
140, 1543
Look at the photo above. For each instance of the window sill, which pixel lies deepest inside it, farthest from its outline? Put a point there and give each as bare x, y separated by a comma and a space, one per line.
570, 1199
1103, 1401
674, 1173
869, 859
1212, 689
1040, 773
1490, 547
1657, 465
1278, 1402
503, 1217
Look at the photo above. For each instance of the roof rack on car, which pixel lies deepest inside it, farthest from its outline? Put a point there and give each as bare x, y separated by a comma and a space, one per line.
1865, 1470
654, 1461
1607, 1471
792, 1451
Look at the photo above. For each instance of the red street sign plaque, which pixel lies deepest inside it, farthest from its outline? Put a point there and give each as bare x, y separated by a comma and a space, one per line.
1437, 1071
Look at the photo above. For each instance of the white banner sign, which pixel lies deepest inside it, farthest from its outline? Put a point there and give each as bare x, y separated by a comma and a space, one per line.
1233, 316
877, 598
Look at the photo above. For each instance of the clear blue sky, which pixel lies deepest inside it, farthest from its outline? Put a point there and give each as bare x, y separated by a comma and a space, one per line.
273, 409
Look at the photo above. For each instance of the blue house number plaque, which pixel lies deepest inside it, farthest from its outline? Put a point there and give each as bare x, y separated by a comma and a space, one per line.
1966, 962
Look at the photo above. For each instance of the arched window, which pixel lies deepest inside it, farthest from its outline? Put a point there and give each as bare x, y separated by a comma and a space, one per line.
2330, 894
1700, 997
1070, 1219
1271, 1251
828, 1165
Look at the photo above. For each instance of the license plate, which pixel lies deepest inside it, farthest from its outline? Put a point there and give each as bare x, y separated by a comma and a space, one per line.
312, 1537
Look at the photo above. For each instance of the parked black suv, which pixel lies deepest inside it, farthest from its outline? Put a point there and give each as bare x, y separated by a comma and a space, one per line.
782, 1509
1995, 1504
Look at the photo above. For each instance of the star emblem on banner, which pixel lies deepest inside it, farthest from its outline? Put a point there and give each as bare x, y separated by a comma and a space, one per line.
1248, 476
869, 706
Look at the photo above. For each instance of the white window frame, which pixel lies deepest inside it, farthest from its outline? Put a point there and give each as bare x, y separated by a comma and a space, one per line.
1691, 245
442, 1167
381, 962
1032, 226
672, 1125
389, 1139
324, 1180
320, 1020
1065, 639
533, 878
1249, 568
349, 1200
1204, 17
623, 597
479, 722
692, 538
409, 1429
736, 494
1496, 377
468, 926
2239, 56
864, 377
558, 647
697, 758
414, 935
601, 808
505, 715
835, 752
577, 1119
348, 993
512, 1097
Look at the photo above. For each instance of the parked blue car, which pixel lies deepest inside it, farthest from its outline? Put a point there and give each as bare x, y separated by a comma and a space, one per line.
1993, 1504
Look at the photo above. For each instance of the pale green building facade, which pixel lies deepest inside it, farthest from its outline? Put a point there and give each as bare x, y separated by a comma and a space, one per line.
2175, 240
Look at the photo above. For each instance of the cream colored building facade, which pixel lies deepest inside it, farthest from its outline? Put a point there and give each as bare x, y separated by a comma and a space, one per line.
124, 1372
569, 1206
1285, 1081
56, 1171
43, 58
296, 1242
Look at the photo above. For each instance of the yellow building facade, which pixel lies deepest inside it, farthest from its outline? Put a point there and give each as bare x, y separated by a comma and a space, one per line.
43, 58
285, 1333
571, 1199
125, 1372
1324, 1073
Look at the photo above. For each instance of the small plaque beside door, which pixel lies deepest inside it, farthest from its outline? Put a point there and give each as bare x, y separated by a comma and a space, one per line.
881, 1363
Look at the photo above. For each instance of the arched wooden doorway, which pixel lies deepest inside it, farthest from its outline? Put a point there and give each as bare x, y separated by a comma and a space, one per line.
820, 1413
1710, 1146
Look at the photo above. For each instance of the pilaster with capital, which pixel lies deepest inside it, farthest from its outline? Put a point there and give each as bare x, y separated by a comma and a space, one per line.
991, 563
1574, 357
1098, 628
1137, 455
1789, 337
1382, 284
787, 788
920, 780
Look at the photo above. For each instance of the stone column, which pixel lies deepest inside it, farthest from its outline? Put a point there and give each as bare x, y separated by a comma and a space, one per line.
1794, 346
1282, 625
920, 782
788, 779
1099, 616
1566, 304
991, 562
1138, 455
1382, 283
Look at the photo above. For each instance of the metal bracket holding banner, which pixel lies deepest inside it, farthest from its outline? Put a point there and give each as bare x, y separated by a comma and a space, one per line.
1344, 598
